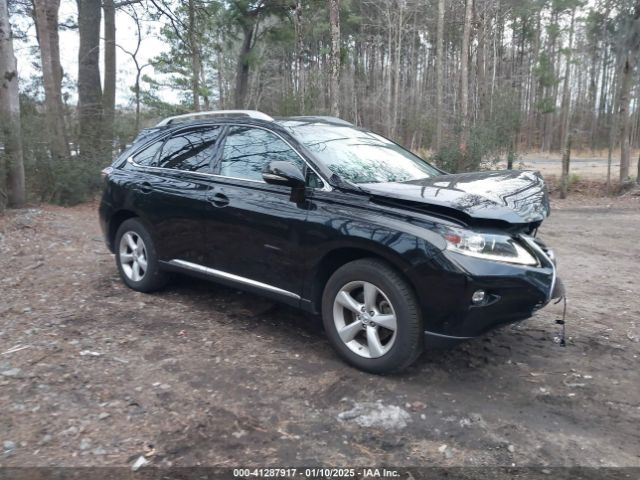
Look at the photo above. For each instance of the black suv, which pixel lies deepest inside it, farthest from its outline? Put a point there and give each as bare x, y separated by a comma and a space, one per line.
314, 212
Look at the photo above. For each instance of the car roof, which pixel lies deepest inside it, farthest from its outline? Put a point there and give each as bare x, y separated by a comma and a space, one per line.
282, 125
279, 123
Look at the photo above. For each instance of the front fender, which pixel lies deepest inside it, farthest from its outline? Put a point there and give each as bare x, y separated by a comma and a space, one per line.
343, 233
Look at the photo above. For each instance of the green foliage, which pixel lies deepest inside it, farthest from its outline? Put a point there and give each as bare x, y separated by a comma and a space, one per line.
446, 158
281, 33
547, 79
573, 179
525, 42
175, 66
74, 181
35, 151
64, 182
489, 142
290, 106
124, 130
564, 6
546, 105
544, 71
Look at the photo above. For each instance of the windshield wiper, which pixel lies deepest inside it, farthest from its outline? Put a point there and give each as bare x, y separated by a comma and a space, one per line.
341, 183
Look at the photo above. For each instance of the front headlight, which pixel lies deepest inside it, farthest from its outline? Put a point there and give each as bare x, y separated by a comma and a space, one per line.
489, 246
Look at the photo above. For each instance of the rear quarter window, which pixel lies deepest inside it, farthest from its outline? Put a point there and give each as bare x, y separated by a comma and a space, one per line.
146, 157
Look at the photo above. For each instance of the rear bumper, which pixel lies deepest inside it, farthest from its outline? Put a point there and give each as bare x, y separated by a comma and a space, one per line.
104, 215
512, 293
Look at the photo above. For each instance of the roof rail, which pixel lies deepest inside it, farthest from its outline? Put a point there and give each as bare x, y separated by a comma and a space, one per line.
326, 118
215, 113
336, 120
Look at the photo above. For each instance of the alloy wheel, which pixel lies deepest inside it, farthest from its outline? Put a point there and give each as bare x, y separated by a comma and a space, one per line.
365, 319
133, 256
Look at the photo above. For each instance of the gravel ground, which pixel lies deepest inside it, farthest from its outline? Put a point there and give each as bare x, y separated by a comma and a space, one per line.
92, 373
584, 165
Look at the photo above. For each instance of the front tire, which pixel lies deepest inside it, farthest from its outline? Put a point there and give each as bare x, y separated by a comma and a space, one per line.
371, 317
136, 257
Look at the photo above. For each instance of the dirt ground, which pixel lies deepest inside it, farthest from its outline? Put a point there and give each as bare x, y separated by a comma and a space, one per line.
584, 165
92, 373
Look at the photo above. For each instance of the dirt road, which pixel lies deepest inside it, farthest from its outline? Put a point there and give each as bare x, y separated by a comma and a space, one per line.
92, 373
584, 166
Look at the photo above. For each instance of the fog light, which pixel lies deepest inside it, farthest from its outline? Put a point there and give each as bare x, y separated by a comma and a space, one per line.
478, 296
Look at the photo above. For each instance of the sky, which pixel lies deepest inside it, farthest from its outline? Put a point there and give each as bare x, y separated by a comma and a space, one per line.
126, 36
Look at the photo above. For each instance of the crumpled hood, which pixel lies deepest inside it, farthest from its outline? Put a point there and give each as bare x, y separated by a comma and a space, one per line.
514, 196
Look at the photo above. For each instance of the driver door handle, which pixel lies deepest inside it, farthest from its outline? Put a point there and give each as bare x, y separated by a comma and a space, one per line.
219, 200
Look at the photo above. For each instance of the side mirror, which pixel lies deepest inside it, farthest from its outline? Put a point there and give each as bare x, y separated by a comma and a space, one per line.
283, 173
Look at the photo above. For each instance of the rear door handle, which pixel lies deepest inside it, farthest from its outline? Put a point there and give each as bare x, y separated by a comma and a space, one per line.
219, 200
145, 187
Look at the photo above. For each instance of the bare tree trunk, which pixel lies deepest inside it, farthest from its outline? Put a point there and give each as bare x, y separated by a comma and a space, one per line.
439, 75
300, 71
623, 112
136, 90
10, 133
195, 57
533, 96
566, 114
221, 79
334, 64
387, 75
613, 133
396, 76
497, 40
566, 159
109, 94
632, 48
205, 94
242, 75
602, 103
46, 19
481, 66
134, 57
89, 88
592, 90
550, 90
464, 87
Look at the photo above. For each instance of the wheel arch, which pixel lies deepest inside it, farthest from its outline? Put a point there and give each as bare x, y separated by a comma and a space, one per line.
337, 257
114, 223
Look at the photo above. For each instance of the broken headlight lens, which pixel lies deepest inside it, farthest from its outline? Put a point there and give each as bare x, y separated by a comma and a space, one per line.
489, 246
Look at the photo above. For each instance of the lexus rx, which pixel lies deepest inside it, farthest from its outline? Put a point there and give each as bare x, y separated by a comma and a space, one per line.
394, 253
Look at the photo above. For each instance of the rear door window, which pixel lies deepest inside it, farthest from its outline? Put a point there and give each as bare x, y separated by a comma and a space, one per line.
191, 151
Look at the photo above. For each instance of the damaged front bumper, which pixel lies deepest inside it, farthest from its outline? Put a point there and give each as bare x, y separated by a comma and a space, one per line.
512, 293
547, 258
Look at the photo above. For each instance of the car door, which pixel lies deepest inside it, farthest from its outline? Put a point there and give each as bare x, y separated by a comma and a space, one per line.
173, 192
253, 228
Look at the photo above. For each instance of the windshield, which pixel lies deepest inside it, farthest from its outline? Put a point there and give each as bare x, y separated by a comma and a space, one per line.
360, 156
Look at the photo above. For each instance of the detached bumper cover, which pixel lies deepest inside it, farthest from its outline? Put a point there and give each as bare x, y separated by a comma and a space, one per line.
547, 259
558, 289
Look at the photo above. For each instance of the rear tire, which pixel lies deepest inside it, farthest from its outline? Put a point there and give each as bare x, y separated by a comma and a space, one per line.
136, 257
372, 317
